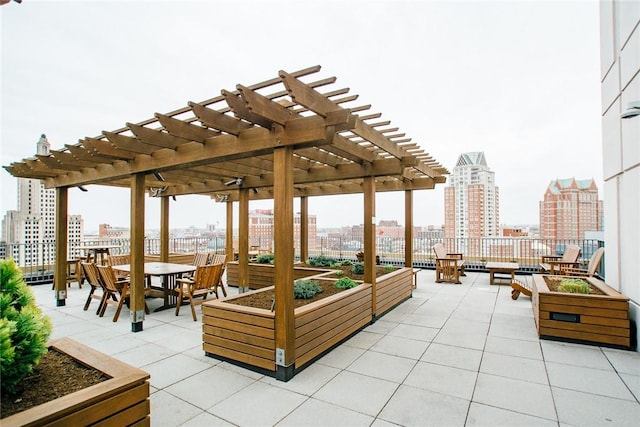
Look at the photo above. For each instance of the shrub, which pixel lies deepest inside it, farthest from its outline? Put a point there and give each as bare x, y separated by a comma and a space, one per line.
339, 273
265, 259
345, 283
389, 267
321, 261
24, 330
305, 288
574, 286
358, 268
346, 262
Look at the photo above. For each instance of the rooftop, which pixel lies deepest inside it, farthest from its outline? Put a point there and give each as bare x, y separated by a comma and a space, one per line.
451, 355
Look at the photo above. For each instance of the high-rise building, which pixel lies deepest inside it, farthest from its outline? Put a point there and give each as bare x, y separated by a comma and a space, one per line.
261, 229
471, 202
569, 209
30, 231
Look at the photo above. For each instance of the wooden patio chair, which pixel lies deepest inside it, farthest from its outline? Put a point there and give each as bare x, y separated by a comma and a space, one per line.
117, 290
554, 264
90, 271
449, 266
200, 258
592, 268
119, 259
204, 281
220, 259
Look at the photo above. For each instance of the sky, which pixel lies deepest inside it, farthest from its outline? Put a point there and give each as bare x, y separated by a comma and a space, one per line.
518, 80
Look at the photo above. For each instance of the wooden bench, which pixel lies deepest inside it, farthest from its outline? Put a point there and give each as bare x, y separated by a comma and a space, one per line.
518, 287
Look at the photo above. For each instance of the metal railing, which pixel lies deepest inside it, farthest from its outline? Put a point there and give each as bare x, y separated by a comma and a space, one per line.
37, 261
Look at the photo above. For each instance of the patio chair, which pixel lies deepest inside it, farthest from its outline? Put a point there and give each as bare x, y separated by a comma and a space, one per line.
90, 271
117, 290
204, 281
592, 268
200, 258
119, 259
553, 264
449, 266
220, 259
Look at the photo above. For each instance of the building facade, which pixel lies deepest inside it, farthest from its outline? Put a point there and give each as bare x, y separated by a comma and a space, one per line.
261, 229
570, 208
471, 205
620, 84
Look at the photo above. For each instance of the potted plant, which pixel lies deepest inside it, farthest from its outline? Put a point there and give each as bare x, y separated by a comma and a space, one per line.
120, 396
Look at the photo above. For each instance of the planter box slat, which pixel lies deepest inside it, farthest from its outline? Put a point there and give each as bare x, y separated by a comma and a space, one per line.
244, 328
259, 341
328, 331
312, 312
126, 388
576, 309
600, 319
312, 323
210, 312
598, 329
130, 416
249, 359
240, 347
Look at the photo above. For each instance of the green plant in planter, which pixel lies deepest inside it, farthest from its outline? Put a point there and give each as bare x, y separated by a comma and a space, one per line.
345, 283
24, 330
346, 262
358, 268
321, 261
306, 289
574, 286
265, 259
389, 267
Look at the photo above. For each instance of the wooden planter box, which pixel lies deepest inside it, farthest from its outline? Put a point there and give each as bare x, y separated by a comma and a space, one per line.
598, 319
247, 335
263, 275
122, 400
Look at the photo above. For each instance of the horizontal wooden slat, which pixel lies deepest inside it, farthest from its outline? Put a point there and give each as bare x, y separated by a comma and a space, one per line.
318, 326
618, 314
597, 329
265, 337
249, 359
327, 332
585, 336
127, 417
264, 353
595, 302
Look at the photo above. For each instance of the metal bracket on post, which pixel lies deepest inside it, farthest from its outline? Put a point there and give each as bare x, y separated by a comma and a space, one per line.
61, 298
137, 316
62, 294
280, 357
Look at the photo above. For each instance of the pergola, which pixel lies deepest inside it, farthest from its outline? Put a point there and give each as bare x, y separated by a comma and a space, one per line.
290, 136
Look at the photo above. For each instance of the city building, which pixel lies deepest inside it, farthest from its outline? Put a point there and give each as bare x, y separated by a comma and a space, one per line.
30, 231
106, 231
620, 77
570, 208
471, 201
261, 229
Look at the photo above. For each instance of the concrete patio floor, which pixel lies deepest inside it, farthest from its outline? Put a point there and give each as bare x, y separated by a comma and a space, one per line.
453, 355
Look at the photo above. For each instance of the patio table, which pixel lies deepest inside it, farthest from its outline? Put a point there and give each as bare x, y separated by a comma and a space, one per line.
495, 268
168, 272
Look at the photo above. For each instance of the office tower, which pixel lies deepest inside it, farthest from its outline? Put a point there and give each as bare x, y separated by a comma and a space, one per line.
30, 231
471, 206
569, 209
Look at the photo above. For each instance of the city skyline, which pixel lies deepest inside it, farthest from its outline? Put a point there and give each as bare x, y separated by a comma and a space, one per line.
462, 87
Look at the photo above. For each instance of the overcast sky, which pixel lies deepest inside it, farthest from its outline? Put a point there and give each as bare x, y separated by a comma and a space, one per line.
517, 80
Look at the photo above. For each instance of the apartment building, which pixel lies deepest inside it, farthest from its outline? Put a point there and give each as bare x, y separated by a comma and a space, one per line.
261, 229
570, 208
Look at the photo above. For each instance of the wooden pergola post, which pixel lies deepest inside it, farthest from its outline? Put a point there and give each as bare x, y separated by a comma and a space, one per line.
164, 229
229, 232
243, 240
136, 299
369, 188
408, 228
62, 237
304, 228
283, 254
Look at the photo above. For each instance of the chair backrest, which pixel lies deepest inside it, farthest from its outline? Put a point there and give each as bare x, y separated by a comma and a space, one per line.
218, 259
200, 258
119, 259
571, 253
91, 273
439, 250
108, 277
594, 262
207, 276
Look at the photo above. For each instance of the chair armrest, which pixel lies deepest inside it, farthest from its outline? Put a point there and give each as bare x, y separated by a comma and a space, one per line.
455, 255
549, 258
575, 271
185, 280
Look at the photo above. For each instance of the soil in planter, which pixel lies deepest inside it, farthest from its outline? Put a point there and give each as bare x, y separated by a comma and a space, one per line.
264, 299
347, 272
553, 282
55, 376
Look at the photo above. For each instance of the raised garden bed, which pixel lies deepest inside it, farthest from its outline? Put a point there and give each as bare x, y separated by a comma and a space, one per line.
122, 399
247, 334
601, 317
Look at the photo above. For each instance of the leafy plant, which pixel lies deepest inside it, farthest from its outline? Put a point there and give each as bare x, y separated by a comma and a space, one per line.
306, 289
265, 259
24, 330
321, 261
339, 273
345, 283
389, 267
574, 286
358, 268
346, 262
